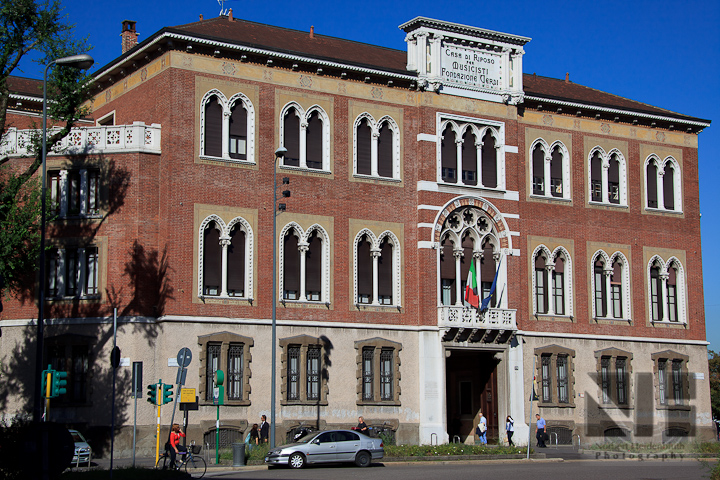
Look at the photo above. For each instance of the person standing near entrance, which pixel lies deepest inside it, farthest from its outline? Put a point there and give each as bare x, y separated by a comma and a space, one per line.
540, 434
264, 429
481, 429
510, 429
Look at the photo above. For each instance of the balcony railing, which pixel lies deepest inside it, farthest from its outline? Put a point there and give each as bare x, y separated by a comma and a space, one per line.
137, 137
467, 317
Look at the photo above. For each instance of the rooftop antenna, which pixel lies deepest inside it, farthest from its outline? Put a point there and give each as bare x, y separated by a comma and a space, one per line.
223, 10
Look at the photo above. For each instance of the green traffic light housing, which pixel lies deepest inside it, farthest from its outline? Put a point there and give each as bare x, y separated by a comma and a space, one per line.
167, 394
59, 382
152, 394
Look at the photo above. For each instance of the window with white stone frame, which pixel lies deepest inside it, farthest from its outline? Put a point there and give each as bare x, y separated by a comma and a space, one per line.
74, 192
471, 152
552, 282
376, 147
663, 184
377, 269
666, 290
227, 127
225, 267
304, 264
306, 136
610, 283
550, 172
73, 272
607, 174
378, 372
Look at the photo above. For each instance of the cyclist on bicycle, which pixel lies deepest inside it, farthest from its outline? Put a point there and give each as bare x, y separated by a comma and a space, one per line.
175, 447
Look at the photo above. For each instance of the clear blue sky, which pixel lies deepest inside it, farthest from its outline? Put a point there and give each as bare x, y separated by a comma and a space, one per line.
659, 52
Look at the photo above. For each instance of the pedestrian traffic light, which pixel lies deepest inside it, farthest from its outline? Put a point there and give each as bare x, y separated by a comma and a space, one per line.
152, 394
167, 394
58, 384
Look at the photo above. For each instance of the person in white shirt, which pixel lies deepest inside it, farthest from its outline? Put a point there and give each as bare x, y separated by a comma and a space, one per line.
510, 429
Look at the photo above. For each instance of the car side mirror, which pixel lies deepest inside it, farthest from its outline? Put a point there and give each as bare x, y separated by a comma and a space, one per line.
316, 441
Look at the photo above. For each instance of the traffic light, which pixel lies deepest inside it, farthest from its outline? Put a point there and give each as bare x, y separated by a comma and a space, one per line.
58, 384
47, 381
152, 394
167, 393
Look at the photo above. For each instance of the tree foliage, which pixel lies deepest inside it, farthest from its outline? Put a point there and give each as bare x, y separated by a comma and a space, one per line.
36, 30
714, 368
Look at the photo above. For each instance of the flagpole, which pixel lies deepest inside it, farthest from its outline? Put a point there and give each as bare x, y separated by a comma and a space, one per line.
532, 394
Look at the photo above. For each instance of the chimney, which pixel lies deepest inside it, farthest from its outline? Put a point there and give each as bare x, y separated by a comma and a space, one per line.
201, 18
312, 31
230, 15
129, 35
567, 77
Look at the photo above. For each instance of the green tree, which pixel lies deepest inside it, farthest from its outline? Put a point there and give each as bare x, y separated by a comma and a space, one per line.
714, 368
36, 30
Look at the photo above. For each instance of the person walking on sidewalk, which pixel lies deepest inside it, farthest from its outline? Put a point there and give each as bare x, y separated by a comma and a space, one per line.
481, 429
510, 429
540, 434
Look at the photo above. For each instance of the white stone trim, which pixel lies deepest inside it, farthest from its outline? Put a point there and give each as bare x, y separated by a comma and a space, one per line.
620, 338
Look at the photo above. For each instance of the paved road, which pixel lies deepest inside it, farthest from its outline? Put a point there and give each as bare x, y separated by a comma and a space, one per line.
555, 470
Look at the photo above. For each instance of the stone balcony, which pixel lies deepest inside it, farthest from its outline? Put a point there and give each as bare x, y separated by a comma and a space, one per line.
466, 324
137, 137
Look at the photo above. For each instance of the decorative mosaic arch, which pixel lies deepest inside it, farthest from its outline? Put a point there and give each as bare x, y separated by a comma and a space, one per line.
499, 225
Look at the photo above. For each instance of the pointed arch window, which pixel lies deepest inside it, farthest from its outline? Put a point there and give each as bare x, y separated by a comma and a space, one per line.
608, 177
610, 285
551, 282
663, 184
227, 127
306, 136
304, 257
224, 253
666, 290
377, 272
550, 169
377, 150
471, 152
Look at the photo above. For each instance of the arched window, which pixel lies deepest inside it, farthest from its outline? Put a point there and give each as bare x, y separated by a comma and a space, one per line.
447, 272
377, 151
663, 184
469, 158
225, 258
656, 293
304, 260
376, 267
550, 169
306, 136
449, 155
489, 161
652, 193
610, 285
538, 173
541, 285
607, 173
557, 177
552, 284
487, 271
228, 127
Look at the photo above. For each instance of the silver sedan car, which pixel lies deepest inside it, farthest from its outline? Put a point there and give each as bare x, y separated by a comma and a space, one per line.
330, 446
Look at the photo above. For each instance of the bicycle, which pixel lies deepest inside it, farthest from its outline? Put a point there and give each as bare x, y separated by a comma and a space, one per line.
194, 465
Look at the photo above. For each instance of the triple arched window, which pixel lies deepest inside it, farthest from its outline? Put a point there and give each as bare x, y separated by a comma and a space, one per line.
377, 267
468, 238
611, 286
376, 147
607, 172
666, 290
304, 264
227, 127
471, 154
550, 169
552, 282
306, 136
663, 184
225, 258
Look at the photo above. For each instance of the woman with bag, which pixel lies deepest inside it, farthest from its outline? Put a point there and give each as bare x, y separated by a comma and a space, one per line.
510, 429
253, 436
481, 429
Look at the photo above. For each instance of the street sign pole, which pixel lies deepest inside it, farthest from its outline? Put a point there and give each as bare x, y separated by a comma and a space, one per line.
157, 430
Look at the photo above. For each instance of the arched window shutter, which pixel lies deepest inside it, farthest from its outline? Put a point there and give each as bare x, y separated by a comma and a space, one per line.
291, 264
236, 263
364, 269
669, 187
469, 159
364, 139
212, 260
291, 140
651, 178
315, 141
385, 151
313, 265
448, 152
238, 131
385, 270
213, 128
489, 161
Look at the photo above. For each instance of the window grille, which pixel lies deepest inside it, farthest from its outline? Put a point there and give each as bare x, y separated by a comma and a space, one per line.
677, 381
368, 377
546, 378
605, 379
91, 271
293, 374
662, 382
313, 373
386, 374
562, 378
235, 372
621, 369
213, 359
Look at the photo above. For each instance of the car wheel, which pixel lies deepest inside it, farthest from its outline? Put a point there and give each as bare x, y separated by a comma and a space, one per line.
362, 459
296, 460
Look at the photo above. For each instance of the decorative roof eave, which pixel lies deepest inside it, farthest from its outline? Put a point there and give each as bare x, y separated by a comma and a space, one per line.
258, 51
25, 98
463, 29
632, 113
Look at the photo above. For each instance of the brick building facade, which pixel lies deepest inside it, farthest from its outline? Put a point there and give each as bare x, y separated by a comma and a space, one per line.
579, 210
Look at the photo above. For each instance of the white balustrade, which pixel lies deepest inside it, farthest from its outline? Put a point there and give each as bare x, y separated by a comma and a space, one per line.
137, 137
468, 317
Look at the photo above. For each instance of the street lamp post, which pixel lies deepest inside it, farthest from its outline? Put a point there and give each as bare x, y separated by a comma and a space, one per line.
82, 62
279, 153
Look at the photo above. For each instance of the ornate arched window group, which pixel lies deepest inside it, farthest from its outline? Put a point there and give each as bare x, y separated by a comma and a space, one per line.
663, 184
228, 127
471, 154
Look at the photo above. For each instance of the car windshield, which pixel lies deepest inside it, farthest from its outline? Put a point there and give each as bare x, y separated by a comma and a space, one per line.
77, 438
306, 438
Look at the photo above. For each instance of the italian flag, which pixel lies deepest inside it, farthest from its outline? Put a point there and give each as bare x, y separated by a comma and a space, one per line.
471, 288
